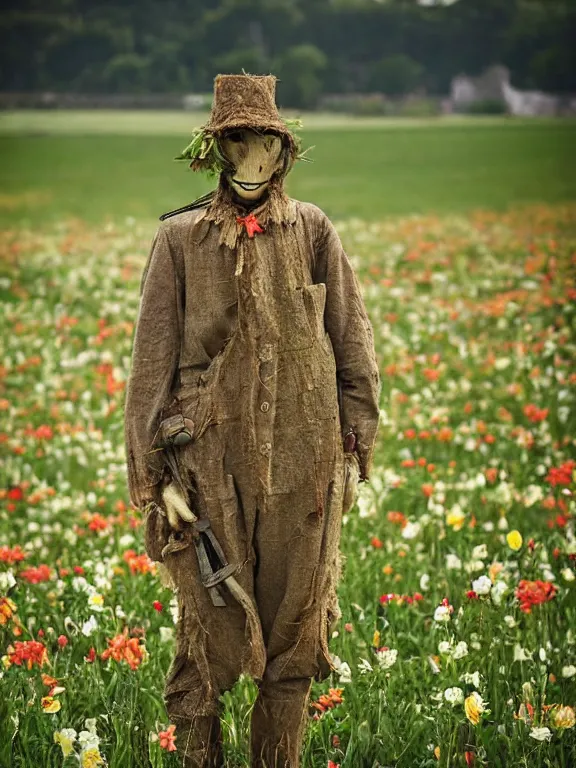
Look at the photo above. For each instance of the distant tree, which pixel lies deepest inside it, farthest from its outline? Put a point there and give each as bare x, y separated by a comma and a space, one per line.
166, 70
553, 69
396, 75
300, 71
250, 59
126, 73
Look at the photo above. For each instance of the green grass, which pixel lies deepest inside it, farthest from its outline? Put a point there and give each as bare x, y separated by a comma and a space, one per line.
473, 319
369, 170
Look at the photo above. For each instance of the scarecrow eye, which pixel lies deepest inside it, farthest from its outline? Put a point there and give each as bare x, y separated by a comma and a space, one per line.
235, 136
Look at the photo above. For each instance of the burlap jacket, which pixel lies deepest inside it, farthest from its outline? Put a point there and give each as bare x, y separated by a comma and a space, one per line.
275, 329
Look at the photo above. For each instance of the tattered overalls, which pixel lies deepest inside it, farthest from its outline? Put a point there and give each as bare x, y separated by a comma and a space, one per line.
256, 345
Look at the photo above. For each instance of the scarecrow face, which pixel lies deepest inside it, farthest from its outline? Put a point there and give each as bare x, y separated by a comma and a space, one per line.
255, 158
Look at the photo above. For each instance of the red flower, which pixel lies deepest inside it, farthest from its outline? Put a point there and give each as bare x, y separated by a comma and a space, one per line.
531, 593
11, 556
44, 431
62, 641
167, 739
36, 575
376, 543
534, 413
123, 648
561, 475
138, 563
29, 651
91, 655
15, 494
328, 700
158, 606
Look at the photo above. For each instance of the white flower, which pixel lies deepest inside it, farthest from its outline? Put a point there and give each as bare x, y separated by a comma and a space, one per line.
532, 494
411, 530
510, 621
521, 654
542, 654
444, 647
90, 724
166, 634
567, 574
454, 695
480, 552
96, 602
386, 659
89, 626
442, 614
503, 494
88, 740
482, 586
541, 734
364, 667
471, 678
569, 671
503, 523
7, 581
343, 670
453, 562
474, 565
425, 582
498, 591
460, 651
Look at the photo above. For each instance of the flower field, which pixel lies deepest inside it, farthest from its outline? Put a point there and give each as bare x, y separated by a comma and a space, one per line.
457, 644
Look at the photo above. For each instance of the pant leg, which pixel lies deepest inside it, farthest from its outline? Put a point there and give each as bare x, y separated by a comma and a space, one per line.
278, 722
294, 546
198, 742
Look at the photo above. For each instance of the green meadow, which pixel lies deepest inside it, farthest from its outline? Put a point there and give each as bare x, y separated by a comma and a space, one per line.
94, 166
457, 642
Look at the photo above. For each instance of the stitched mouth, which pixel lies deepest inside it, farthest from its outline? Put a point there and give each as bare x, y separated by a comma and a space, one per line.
249, 186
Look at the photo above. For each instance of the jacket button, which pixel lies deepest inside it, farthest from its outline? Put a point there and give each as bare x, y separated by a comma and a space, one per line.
266, 449
265, 407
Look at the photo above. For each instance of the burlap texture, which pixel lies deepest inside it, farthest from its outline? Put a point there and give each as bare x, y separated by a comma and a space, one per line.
246, 101
273, 363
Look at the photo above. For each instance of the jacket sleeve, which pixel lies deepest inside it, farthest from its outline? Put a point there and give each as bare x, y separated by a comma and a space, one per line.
155, 360
352, 337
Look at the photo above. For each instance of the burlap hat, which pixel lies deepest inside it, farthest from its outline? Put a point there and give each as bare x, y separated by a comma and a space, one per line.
246, 101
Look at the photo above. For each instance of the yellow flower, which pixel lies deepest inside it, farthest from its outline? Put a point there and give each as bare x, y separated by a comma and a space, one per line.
50, 704
455, 518
514, 539
437, 753
376, 639
91, 758
66, 739
96, 600
474, 706
6, 662
563, 717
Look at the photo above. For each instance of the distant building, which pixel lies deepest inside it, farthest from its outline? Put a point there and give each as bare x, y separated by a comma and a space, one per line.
494, 86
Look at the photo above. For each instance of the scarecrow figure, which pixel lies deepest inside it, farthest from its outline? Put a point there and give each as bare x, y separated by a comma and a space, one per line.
251, 412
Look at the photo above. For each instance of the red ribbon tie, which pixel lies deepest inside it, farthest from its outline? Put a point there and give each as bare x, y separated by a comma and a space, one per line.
251, 224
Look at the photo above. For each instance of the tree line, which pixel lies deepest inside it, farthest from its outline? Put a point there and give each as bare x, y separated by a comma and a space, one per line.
314, 46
